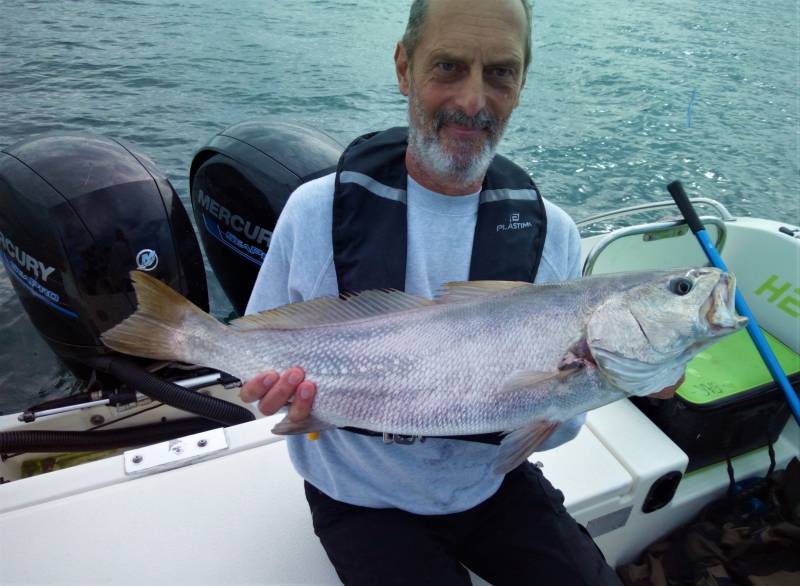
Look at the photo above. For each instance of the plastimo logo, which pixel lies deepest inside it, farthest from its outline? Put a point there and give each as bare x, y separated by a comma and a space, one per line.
33, 265
514, 223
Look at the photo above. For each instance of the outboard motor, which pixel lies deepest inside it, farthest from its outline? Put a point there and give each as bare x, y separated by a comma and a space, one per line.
239, 184
78, 212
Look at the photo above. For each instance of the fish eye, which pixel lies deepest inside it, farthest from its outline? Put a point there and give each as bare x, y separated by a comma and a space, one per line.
680, 286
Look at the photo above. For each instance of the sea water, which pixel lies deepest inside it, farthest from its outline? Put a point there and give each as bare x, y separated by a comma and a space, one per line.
621, 98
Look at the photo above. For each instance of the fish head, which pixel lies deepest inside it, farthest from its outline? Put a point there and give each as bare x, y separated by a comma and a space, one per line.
642, 337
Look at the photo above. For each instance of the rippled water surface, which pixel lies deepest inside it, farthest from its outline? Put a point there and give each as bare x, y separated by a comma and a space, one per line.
622, 98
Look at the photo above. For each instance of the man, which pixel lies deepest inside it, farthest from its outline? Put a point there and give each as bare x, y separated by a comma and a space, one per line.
414, 215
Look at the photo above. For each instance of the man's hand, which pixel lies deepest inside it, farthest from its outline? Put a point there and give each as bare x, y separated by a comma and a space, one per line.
273, 391
667, 392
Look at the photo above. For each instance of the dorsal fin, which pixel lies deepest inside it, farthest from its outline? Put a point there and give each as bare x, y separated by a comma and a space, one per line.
331, 310
457, 291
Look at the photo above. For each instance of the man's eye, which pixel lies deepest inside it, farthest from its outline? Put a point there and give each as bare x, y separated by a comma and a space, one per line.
503, 72
446, 67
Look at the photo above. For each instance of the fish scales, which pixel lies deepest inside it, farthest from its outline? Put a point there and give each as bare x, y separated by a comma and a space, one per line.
379, 374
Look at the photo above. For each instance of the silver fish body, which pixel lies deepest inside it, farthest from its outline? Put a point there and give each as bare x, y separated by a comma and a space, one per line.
482, 357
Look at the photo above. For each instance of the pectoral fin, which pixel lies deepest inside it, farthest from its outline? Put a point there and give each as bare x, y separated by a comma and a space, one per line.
575, 360
521, 443
526, 379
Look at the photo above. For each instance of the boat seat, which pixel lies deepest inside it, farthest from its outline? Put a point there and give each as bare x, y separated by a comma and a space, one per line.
652, 246
728, 404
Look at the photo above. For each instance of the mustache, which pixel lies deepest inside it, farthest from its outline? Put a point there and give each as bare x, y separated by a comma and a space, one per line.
482, 120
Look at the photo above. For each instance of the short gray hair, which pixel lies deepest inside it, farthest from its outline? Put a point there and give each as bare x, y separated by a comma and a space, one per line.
416, 22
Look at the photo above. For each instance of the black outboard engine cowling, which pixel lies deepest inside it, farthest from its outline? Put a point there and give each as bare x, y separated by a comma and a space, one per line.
239, 184
78, 212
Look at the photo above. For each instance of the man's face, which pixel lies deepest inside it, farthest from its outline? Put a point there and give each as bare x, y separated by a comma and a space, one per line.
463, 84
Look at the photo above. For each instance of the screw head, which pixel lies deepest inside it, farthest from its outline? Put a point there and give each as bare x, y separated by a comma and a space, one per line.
202, 443
137, 459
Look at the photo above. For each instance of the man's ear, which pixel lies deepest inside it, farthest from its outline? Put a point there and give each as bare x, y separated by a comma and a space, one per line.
402, 68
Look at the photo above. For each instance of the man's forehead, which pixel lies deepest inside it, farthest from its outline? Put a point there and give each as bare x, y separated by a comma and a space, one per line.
460, 24
462, 27
500, 10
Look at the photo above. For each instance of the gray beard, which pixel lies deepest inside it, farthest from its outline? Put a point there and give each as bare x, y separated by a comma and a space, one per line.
463, 168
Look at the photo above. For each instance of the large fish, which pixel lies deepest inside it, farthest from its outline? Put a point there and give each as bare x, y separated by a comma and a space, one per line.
482, 357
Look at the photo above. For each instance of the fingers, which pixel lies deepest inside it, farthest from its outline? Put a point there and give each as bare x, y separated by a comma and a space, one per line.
300, 407
277, 396
258, 386
273, 391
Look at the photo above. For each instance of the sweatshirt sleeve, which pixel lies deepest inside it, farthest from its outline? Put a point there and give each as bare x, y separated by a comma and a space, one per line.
271, 288
299, 263
561, 255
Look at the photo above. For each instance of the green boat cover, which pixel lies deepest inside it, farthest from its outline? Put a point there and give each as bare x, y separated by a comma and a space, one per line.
731, 366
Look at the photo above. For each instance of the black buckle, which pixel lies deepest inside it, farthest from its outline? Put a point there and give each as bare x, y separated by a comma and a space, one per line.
396, 438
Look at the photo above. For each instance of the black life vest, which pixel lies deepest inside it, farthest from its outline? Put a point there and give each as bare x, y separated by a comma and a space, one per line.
369, 221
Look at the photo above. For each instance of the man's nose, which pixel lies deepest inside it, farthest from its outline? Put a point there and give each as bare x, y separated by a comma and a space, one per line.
472, 95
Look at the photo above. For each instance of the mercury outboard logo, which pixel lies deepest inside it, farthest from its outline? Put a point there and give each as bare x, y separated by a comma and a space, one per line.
146, 260
22, 264
253, 232
514, 224
25, 260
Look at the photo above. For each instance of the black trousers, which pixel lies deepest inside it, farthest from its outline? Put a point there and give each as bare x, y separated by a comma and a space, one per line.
521, 535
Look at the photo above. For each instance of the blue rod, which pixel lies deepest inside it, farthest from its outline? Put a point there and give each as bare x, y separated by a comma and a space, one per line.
679, 195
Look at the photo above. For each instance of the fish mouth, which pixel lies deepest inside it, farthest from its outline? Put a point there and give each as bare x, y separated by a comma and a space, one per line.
719, 310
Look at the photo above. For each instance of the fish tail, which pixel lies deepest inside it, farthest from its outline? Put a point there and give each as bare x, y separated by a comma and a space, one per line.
165, 325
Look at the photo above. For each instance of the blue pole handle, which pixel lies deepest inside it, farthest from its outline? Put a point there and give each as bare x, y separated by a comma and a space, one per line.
767, 355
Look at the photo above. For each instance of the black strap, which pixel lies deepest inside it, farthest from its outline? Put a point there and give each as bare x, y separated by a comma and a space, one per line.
483, 438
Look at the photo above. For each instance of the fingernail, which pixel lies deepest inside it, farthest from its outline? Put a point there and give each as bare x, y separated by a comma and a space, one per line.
270, 379
306, 392
294, 377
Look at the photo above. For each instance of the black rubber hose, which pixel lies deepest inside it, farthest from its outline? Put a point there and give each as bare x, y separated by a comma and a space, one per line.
171, 394
91, 441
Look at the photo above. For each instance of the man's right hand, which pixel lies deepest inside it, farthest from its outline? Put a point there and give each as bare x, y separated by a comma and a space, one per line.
273, 391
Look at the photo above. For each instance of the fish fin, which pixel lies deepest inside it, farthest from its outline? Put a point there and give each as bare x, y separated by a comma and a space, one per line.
578, 356
521, 380
310, 424
576, 359
457, 291
525, 379
332, 310
521, 443
164, 323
